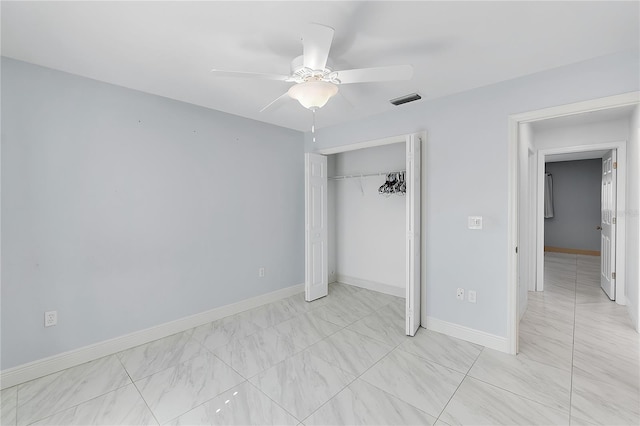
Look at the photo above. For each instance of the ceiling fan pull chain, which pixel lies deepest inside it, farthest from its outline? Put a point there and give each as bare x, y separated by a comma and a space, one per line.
313, 125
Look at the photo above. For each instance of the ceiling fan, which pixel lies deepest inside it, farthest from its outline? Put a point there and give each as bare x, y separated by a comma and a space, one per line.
315, 81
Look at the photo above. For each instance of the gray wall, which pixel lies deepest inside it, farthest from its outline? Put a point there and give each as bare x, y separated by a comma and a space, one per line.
576, 204
465, 174
123, 210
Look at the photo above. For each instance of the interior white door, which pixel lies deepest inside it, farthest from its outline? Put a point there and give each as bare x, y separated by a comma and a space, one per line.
608, 225
413, 234
316, 235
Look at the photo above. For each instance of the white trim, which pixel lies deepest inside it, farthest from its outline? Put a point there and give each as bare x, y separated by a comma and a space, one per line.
42, 367
472, 335
360, 145
532, 214
625, 99
514, 120
512, 238
539, 218
372, 285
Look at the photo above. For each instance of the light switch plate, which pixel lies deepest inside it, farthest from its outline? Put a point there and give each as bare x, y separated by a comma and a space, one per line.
475, 222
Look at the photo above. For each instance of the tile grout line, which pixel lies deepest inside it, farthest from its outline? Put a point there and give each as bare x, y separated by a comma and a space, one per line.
138, 390
299, 349
573, 342
165, 368
246, 379
75, 405
371, 384
536, 361
206, 349
341, 369
516, 394
460, 384
356, 377
17, 388
271, 399
442, 365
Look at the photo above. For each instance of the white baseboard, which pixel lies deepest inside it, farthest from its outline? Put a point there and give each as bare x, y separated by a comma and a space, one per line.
372, 285
472, 335
42, 367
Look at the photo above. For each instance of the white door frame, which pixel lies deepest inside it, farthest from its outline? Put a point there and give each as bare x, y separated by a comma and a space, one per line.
531, 230
514, 121
388, 141
621, 148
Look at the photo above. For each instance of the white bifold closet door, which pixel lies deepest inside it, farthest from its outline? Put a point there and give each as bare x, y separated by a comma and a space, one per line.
316, 232
413, 234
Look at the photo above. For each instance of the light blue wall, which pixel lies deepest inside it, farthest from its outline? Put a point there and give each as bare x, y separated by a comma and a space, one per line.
576, 205
113, 205
123, 210
465, 174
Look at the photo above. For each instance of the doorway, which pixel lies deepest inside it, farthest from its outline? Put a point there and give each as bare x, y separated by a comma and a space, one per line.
535, 247
613, 199
316, 223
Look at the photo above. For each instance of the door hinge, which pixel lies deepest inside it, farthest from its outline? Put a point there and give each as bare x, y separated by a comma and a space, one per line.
613, 220
516, 249
613, 275
615, 164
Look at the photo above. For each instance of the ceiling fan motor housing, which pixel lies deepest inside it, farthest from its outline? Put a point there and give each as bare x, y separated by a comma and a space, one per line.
300, 73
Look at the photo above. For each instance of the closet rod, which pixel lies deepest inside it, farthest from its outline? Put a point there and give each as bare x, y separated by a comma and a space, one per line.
364, 175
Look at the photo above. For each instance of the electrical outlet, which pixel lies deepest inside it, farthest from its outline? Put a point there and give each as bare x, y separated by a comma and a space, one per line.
460, 294
472, 296
261, 272
50, 318
474, 222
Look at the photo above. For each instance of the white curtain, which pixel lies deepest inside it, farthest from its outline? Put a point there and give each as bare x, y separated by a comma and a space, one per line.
548, 195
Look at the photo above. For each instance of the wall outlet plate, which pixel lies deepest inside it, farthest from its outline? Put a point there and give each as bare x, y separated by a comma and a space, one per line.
261, 272
471, 296
460, 294
50, 318
475, 222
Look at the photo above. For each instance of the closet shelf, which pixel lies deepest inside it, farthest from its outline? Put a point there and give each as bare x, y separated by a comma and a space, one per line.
363, 175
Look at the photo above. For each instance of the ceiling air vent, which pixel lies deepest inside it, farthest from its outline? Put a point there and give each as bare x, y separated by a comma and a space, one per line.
404, 99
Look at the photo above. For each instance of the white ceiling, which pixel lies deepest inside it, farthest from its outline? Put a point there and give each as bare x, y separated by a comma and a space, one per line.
168, 48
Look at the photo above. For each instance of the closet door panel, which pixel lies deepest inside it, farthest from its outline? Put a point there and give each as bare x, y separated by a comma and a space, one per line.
316, 232
413, 235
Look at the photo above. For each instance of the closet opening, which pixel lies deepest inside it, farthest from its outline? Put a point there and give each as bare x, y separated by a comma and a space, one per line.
362, 235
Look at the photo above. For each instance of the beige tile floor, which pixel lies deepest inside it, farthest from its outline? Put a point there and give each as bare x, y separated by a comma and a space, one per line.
344, 359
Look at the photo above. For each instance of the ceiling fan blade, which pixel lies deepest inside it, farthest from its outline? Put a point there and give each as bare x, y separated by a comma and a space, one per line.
277, 100
365, 75
243, 74
316, 43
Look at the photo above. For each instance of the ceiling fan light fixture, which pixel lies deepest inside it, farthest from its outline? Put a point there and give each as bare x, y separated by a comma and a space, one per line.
313, 94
